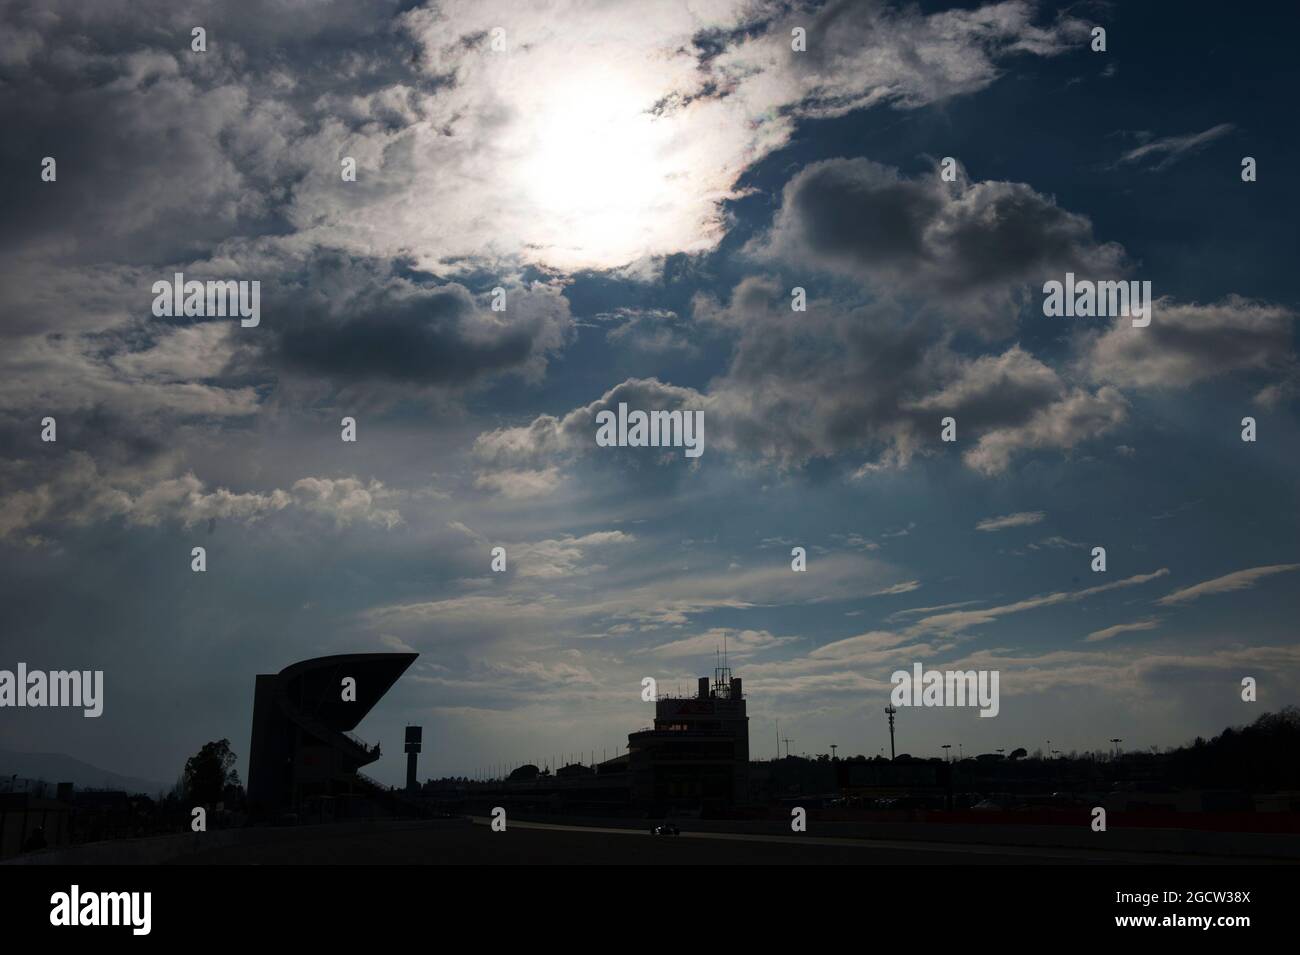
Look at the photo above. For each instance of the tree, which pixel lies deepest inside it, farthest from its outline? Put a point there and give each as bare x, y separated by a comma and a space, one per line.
209, 772
1018, 753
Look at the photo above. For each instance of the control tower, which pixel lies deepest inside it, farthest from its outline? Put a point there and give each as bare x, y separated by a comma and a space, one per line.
696, 756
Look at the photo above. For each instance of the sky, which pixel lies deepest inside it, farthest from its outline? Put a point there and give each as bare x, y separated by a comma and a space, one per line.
647, 184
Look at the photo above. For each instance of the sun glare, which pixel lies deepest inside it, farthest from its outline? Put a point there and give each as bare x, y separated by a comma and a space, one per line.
599, 169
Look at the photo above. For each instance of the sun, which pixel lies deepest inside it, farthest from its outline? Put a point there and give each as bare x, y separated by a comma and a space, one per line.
600, 167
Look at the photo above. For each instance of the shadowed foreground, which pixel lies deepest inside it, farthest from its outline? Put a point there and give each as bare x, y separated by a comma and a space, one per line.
460, 842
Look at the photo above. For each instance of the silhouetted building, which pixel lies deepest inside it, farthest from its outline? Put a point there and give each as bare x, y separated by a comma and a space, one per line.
22, 814
303, 756
697, 754
574, 771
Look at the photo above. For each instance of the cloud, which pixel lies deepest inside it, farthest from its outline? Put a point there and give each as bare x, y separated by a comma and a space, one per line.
1056, 542
875, 380
1171, 149
853, 541
335, 330
356, 320
513, 685
563, 557
83, 492
525, 458
1019, 519
111, 363
865, 54
853, 647
903, 587
1062, 425
519, 483
1237, 580
1120, 672
840, 381
1275, 394
1013, 402
347, 500
900, 614
100, 108
830, 382
975, 247
597, 139
860, 664
656, 330
1105, 634
739, 643
644, 592
1188, 344
957, 621
994, 389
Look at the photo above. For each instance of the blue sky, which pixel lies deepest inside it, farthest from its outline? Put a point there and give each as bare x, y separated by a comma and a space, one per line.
647, 187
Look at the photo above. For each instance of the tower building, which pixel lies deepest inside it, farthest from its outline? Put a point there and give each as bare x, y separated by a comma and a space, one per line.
696, 756
303, 756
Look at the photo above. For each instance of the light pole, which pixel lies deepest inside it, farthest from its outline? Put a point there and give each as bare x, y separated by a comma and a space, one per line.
833, 748
891, 710
1116, 740
946, 747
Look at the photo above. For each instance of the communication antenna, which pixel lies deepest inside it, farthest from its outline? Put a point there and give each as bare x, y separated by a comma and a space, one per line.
721, 672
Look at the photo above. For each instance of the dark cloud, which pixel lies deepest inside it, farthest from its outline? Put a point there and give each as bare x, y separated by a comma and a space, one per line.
809, 385
874, 380
837, 382
352, 321
972, 247
995, 391
163, 151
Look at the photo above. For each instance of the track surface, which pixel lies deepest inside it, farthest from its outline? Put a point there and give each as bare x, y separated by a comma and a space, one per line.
459, 842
